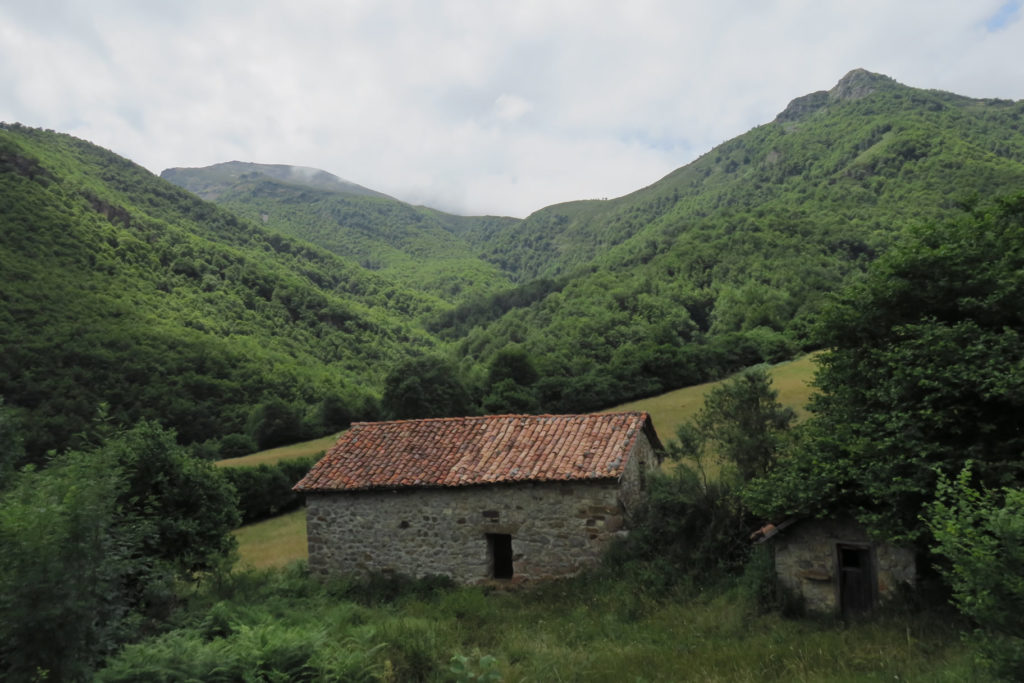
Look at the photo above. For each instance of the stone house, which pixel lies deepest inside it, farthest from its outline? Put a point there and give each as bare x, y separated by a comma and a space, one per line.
833, 566
477, 498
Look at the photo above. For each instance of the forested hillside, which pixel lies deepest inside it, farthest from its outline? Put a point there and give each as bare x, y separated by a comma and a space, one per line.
120, 288
721, 264
301, 300
416, 247
727, 261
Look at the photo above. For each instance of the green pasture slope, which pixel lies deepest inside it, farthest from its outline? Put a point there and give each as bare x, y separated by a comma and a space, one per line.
274, 542
792, 379
272, 456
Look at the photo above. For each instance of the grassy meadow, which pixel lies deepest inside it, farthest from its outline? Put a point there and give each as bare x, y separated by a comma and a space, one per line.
272, 456
669, 410
272, 542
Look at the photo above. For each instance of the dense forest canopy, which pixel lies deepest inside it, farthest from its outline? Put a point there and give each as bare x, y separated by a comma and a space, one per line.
121, 288
306, 296
923, 376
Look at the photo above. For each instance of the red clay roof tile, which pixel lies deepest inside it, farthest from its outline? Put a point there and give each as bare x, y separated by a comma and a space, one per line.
464, 451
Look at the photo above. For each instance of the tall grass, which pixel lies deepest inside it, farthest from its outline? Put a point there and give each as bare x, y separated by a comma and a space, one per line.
596, 627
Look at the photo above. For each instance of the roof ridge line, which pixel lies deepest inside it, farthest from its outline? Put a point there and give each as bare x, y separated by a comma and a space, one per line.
465, 418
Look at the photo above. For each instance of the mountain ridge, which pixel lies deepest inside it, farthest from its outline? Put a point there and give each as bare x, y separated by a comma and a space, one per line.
416, 247
210, 181
124, 288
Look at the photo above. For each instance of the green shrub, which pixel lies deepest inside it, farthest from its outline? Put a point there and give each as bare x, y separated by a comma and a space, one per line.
235, 446
275, 423
266, 490
265, 651
482, 669
413, 647
981, 534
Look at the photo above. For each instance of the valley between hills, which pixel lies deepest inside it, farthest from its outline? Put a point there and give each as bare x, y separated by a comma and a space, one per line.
293, 302
152, 326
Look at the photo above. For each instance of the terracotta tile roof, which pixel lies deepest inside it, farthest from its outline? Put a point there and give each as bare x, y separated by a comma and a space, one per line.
465, 451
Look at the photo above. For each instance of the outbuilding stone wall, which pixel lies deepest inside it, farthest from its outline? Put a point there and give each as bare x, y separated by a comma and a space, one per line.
806, 562
556, 528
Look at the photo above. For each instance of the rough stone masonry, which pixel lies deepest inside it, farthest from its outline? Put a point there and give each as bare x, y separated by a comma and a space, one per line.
553, 528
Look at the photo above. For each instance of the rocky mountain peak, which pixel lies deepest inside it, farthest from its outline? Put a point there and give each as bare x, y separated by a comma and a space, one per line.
855, 85
858, 84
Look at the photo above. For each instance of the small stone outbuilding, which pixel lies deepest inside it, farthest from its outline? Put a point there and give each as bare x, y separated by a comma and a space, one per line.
833, 566
477, 498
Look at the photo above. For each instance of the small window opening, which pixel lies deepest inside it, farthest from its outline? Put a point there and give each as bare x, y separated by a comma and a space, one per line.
851, 558
499, 547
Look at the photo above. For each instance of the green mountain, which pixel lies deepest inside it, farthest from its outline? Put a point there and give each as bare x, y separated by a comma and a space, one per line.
868, 151
289, 301
119, 287
727, 261
211, 181
414, 247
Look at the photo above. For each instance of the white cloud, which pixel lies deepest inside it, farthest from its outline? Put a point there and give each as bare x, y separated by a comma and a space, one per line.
470, 106
511, 107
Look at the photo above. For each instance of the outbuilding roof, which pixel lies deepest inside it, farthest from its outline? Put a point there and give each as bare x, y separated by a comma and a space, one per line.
467, 451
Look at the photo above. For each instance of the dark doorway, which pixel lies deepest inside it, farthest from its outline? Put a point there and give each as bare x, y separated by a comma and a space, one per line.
856, 592
499, 547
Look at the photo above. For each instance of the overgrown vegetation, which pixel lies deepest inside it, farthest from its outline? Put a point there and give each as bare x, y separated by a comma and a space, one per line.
980, 534
266, 490
922, 374
97, 546
695, 528
596, 627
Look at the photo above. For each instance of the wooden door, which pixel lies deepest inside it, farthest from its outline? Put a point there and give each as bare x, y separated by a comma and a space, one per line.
856, 579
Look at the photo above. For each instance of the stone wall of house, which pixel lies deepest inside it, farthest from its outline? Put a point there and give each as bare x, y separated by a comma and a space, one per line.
556, 529
806, 561
633, 488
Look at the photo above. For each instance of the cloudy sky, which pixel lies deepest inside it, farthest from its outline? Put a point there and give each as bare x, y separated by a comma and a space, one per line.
471, 106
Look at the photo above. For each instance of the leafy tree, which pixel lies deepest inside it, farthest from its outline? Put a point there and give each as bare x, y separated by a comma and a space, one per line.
507, 396
266, 490
695, 524
425, 387
981, 535
235, 445
185, 506
11, 449
513, 363
62, 569
94, 545
741, 422
510, 382
275, 423
332, 415
692, 525
922, 373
